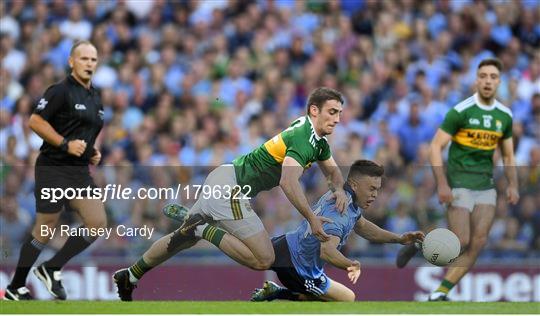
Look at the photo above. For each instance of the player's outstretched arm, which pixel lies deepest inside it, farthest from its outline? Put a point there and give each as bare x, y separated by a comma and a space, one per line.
374, 233
290, 184
507, 150
333, 256
331, 172
440, 140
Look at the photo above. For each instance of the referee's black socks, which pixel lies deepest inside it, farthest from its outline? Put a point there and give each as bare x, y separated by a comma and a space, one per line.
28, 255
73, 246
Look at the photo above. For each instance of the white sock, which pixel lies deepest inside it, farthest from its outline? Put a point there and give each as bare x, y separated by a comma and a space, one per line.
435, 295
199, 230
132, 278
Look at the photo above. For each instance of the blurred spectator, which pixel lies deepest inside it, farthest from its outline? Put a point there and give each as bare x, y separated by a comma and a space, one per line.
15, 223
76, 27
512, 244
12, 59
414, 131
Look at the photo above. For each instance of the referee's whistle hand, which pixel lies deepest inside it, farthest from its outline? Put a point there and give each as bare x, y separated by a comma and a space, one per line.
76, 147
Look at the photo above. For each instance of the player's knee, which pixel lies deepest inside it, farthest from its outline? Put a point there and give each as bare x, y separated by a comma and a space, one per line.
464, 242
478, 243
347, 296
264, 263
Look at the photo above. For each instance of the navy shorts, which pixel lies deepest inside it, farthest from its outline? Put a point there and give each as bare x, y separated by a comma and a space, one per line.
49, 175
289, 277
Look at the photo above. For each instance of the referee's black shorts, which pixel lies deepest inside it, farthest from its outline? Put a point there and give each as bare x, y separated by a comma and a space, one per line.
287, 274
50, 174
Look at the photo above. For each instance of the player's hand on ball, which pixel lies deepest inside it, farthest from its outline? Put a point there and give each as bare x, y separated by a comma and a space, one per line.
354, 271
512, 195
341, 199
76, 147
445, 194
96, 157
410, 237
317, 229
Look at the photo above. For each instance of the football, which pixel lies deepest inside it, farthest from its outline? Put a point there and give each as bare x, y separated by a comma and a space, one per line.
441, 247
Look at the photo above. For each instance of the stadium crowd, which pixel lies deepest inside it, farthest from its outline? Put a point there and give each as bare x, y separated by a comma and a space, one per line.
188, 85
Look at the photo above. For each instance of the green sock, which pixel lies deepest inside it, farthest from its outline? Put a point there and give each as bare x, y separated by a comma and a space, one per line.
213, 234
445, 286
139, 268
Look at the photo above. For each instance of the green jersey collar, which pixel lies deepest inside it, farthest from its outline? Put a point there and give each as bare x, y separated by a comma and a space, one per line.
317, 137
484, 106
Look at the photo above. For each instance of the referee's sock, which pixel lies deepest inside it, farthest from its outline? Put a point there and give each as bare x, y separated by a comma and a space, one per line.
28, 255
73, 246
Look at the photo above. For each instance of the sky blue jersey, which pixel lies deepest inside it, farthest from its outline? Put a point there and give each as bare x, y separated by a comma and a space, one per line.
305, 248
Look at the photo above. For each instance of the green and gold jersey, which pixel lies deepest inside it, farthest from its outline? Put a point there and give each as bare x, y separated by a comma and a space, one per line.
261, 168
476, 130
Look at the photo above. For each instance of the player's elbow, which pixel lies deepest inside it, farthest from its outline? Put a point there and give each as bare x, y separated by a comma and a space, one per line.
508, 160
324, 257
285, 181
326, 253
434, 148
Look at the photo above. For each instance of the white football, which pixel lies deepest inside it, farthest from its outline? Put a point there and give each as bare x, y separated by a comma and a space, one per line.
441, 247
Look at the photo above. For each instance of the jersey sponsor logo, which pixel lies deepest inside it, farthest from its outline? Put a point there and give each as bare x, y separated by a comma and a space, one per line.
42, 104
477, 138
276, 147
474, 121
80, 107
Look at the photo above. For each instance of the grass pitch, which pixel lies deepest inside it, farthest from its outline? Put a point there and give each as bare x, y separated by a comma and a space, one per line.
281, 307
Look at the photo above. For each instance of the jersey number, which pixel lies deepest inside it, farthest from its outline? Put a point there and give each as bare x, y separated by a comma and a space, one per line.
299, 122
487, 120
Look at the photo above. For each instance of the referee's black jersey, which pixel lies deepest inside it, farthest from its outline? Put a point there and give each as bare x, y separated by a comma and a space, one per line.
75, 113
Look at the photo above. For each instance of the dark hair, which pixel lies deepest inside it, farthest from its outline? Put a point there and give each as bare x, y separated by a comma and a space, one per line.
77, 44
491, 62
365, 168
320, 95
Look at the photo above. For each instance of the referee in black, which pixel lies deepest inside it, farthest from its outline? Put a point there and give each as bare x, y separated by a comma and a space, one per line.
69, 117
